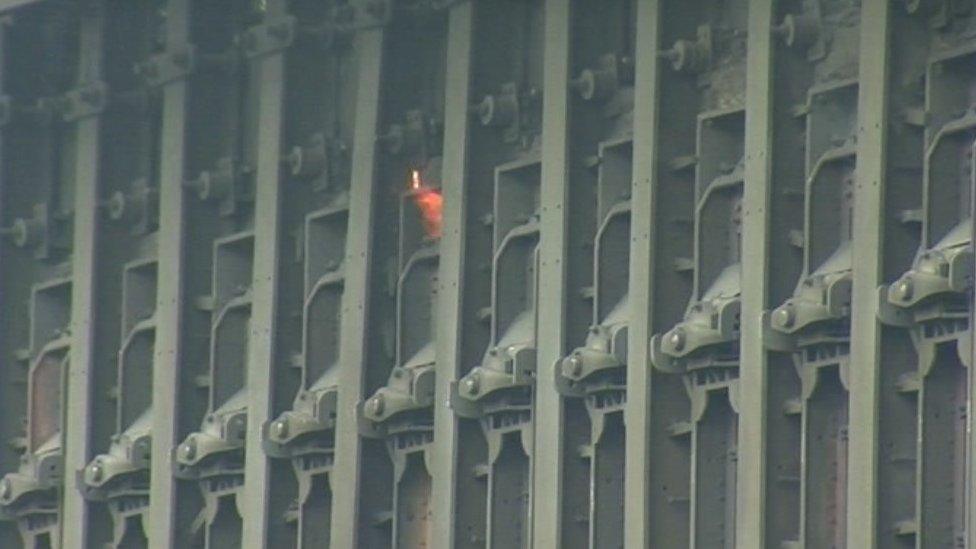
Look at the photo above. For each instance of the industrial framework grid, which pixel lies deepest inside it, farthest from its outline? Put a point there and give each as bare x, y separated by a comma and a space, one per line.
487, 273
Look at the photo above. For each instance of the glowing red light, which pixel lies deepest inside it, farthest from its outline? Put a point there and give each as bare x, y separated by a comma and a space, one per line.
431, 206
430, 203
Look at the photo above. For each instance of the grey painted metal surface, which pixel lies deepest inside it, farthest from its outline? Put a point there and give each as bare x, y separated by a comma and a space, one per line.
8, 5
487, 273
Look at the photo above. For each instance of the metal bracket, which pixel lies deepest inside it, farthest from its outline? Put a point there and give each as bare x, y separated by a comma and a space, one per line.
691, 56
226, 184
83, 102
135, 208
370, 14
890, 314
414, 138
269, 37
804, 31
168, 66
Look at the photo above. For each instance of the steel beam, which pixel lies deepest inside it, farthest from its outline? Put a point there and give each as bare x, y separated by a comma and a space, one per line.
637, 414
78, 411
168, 352
8, 5
548, 454
8, 531
867, 241
269, 74
451, 289
358, 263
970, 524
870, 453
751, 475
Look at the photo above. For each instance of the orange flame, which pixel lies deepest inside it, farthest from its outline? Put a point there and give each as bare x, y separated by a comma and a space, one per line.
430, 203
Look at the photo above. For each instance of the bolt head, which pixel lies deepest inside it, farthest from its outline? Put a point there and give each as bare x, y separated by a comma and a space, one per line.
905, 289
116, 206
188, 450
21, 234
279, 429
486, 110
573, 366
471, 385
95, 472
294, 160
376, 405
677, 339
205, 186
585, 84
784, 316
681, 55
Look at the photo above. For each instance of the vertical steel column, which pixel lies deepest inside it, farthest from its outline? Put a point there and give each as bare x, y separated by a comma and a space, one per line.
80, 376
451, 289
261, 358
546, 490
346, 474
8, 533
167, 362
867, 242
751, 484
970, 521
639, 371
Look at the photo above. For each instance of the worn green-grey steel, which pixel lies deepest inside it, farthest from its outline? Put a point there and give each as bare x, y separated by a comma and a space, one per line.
796, 178
868, 247
170, 295
262, 360
358, 263
637, 415
548, 456
444, 491
80, 390
753, 377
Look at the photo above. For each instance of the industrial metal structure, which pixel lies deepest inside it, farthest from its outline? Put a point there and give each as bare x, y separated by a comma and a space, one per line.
487, 273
